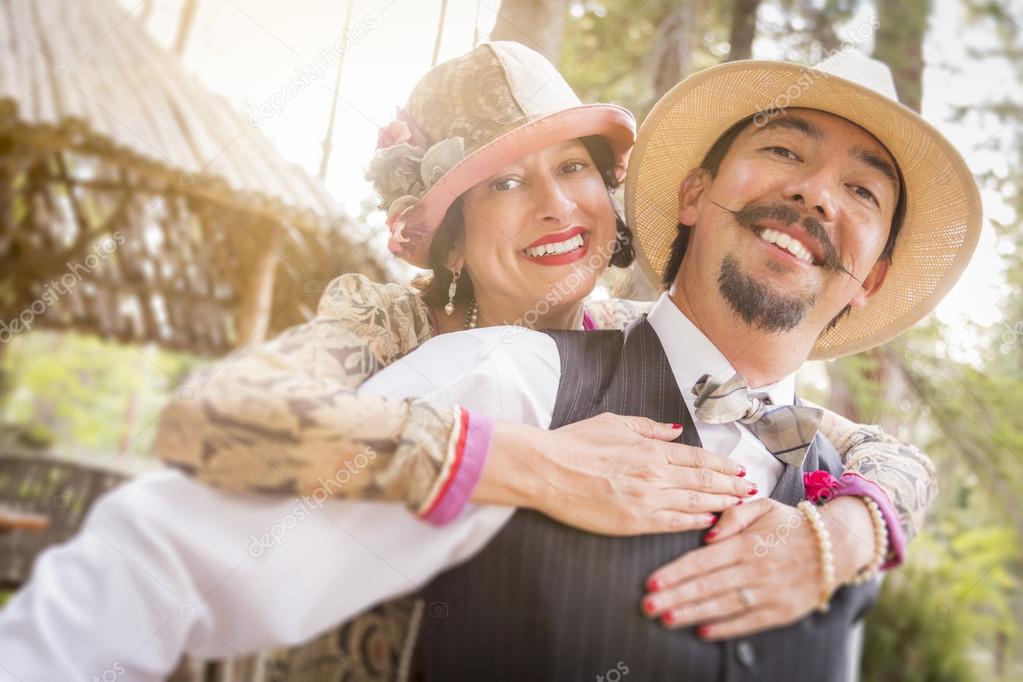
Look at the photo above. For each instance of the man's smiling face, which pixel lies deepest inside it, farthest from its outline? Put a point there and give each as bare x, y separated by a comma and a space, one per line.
793, 221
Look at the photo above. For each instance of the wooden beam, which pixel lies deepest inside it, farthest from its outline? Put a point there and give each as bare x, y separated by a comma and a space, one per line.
256, 293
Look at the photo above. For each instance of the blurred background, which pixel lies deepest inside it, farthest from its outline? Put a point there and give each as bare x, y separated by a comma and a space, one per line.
180, 178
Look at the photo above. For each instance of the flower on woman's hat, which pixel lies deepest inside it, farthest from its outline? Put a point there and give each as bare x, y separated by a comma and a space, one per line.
402, 172
394, 133
406, 227
441, 158
395, 172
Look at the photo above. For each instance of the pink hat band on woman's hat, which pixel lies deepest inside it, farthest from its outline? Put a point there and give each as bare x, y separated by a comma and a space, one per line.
465, 120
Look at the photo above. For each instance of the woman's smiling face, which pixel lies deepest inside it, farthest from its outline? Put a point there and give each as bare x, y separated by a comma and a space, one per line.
541, 229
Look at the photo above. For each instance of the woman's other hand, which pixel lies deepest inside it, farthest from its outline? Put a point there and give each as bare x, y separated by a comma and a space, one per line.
612, 475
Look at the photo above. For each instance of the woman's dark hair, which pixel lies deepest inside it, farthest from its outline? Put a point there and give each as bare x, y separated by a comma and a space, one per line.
434, 288
712, 164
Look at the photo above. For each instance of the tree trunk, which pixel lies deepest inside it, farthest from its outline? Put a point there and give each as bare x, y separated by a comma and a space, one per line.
671, 55
744, 29
538, 24
899, 43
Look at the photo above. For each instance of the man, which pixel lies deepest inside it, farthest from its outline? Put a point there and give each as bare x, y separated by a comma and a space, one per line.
807, 231
787, 223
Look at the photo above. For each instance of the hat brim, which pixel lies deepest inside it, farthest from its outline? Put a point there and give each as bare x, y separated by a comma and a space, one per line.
609, 121
943, 209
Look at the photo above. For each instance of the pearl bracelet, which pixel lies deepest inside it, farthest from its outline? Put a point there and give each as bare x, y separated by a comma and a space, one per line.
813, 517
880, 544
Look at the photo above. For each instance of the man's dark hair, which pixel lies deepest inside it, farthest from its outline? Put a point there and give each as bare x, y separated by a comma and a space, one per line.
712, 163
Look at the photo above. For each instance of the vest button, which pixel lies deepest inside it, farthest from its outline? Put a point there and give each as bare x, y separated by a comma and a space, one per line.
745, 654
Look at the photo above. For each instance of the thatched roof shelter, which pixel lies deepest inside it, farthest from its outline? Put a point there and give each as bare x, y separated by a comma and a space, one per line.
136, 204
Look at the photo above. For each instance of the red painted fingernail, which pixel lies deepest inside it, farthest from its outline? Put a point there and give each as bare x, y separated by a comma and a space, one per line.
668, 618
752, 490
653, 584
709, 535
648, 605
702, 630
676, 426
712, 519
742, 472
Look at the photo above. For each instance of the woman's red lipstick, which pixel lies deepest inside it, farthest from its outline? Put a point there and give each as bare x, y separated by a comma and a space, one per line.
572, 255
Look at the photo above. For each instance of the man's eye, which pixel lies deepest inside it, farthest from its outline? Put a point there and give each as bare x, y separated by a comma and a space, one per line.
784, 152
505, 184
866, 194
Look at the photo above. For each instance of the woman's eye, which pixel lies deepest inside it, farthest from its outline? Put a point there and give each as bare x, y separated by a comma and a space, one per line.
572, 167
784, 152
505, 184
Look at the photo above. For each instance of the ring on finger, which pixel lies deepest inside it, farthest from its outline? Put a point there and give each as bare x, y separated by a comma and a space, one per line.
746, 597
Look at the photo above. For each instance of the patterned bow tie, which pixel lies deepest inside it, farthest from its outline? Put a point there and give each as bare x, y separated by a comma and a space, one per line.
785, 430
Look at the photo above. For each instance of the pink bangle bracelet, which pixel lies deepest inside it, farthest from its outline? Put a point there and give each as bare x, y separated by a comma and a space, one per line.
851, 483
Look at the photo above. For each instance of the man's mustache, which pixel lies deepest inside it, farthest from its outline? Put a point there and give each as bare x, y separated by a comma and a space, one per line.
753, 213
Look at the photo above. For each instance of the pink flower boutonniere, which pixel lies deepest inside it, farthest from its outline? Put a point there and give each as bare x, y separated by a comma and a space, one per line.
819, 485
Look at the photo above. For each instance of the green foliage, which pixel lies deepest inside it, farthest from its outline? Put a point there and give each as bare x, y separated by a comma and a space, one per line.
76, 392
943, 610
607, 44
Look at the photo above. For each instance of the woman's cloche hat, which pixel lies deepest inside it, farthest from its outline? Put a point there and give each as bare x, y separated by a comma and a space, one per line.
465, 120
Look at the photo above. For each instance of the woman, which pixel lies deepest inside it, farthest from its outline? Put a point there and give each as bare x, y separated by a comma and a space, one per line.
476, 174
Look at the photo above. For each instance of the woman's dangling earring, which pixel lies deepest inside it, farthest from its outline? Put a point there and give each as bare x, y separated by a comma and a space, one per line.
452, 288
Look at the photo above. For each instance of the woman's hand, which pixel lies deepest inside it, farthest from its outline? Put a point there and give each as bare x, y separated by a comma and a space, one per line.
611, 475
761, 569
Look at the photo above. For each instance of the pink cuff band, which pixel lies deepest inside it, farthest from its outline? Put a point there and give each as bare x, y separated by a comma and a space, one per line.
852, 483
477, 433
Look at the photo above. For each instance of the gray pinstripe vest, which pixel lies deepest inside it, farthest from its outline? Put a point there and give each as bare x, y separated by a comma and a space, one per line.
547, 602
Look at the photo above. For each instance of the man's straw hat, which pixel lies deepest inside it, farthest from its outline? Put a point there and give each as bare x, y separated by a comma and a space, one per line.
943, 209
465, 120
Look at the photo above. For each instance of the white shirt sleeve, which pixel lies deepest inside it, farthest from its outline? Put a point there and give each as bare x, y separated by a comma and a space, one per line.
164, 565
508, 373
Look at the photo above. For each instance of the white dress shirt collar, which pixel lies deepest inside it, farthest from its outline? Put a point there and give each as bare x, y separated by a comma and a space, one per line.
691, 354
